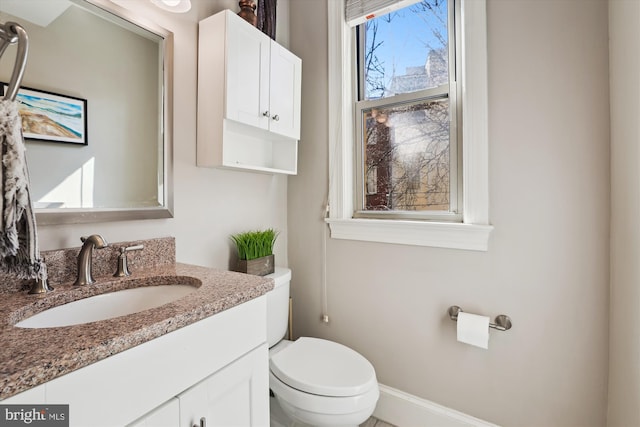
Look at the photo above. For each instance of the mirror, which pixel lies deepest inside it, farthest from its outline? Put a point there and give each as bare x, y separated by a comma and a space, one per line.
95, 51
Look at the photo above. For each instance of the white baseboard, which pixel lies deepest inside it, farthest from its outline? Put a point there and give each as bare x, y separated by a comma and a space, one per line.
405, 410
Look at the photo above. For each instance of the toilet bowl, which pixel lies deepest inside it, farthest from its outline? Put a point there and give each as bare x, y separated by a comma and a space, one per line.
322, 383
316, 381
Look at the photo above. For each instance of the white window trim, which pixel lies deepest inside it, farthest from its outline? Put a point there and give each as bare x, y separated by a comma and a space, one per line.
474, 231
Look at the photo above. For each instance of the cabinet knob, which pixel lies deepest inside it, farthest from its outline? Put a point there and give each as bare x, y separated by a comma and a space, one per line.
276, 118
266, 114
203, 423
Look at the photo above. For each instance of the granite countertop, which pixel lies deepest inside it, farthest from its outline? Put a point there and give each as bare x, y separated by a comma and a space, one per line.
29, 357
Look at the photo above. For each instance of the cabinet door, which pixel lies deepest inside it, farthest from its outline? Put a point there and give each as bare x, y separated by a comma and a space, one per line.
166, 415
247, 88
237, 395
285, 88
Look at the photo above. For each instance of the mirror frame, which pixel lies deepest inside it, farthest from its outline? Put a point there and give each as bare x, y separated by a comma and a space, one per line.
87, 215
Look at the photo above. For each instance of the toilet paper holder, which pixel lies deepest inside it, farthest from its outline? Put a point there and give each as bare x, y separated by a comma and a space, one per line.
502, 321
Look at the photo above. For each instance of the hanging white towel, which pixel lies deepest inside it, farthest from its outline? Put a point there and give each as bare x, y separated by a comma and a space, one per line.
19, 253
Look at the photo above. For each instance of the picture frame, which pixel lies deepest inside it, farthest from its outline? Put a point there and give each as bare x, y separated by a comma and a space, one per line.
51, 117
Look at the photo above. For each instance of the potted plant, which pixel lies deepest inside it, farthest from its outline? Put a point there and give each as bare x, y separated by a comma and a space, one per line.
255, 251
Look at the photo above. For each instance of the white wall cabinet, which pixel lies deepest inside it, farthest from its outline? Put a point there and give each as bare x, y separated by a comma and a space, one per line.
249, 91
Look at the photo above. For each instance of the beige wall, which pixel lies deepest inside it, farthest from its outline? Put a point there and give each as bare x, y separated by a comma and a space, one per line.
547, 266
548, 260
624, 328
210, 204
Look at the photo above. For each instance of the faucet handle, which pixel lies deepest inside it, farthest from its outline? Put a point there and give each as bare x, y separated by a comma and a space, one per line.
123, 264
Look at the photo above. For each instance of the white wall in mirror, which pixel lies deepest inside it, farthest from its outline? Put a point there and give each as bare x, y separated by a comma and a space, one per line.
83, 55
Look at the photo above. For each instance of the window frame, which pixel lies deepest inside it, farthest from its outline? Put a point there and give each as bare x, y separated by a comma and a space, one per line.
474, 231
449, 91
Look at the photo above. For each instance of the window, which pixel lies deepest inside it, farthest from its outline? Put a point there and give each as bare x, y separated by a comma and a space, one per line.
406, 113
397, 172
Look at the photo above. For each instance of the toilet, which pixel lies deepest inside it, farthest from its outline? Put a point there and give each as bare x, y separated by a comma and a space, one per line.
315, 381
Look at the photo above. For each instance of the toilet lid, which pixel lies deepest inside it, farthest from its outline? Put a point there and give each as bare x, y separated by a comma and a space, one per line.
323, 367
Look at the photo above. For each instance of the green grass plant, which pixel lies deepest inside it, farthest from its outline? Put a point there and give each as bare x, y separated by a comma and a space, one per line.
255, 244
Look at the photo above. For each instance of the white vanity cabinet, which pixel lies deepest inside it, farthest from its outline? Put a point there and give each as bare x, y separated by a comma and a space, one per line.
216, 368
249, 90
166, 415
233, 396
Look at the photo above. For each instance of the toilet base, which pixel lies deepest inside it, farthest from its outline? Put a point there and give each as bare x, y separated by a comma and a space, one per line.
280, 418
277, 416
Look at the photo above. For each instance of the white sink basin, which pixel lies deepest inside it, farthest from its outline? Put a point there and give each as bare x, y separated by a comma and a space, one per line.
107, 306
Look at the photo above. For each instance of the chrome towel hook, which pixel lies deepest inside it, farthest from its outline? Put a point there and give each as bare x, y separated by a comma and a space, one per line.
12, 32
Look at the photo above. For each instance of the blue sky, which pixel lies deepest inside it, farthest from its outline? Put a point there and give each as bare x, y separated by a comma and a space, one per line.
407, 38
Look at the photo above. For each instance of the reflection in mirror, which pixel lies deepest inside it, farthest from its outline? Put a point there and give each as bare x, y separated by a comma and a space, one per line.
123, 70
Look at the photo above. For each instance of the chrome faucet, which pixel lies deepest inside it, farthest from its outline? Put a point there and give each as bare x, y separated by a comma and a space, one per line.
85, 258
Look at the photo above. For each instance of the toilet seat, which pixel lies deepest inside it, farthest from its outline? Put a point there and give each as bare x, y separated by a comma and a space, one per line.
323, 368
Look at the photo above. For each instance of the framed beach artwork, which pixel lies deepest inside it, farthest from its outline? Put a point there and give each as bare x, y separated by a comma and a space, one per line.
52, 117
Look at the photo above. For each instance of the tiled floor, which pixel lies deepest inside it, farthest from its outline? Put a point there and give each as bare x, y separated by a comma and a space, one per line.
374, 422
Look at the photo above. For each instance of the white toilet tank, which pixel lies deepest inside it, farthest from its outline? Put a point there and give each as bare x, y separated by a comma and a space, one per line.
278, 306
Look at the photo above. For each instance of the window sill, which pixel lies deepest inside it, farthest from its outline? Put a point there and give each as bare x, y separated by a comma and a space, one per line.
433, 234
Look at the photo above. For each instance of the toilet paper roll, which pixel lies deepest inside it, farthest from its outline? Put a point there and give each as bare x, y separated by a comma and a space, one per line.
473, 329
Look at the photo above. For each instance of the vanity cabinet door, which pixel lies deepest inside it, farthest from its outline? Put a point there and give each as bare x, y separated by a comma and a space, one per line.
285, 90
166, 415
237, 395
